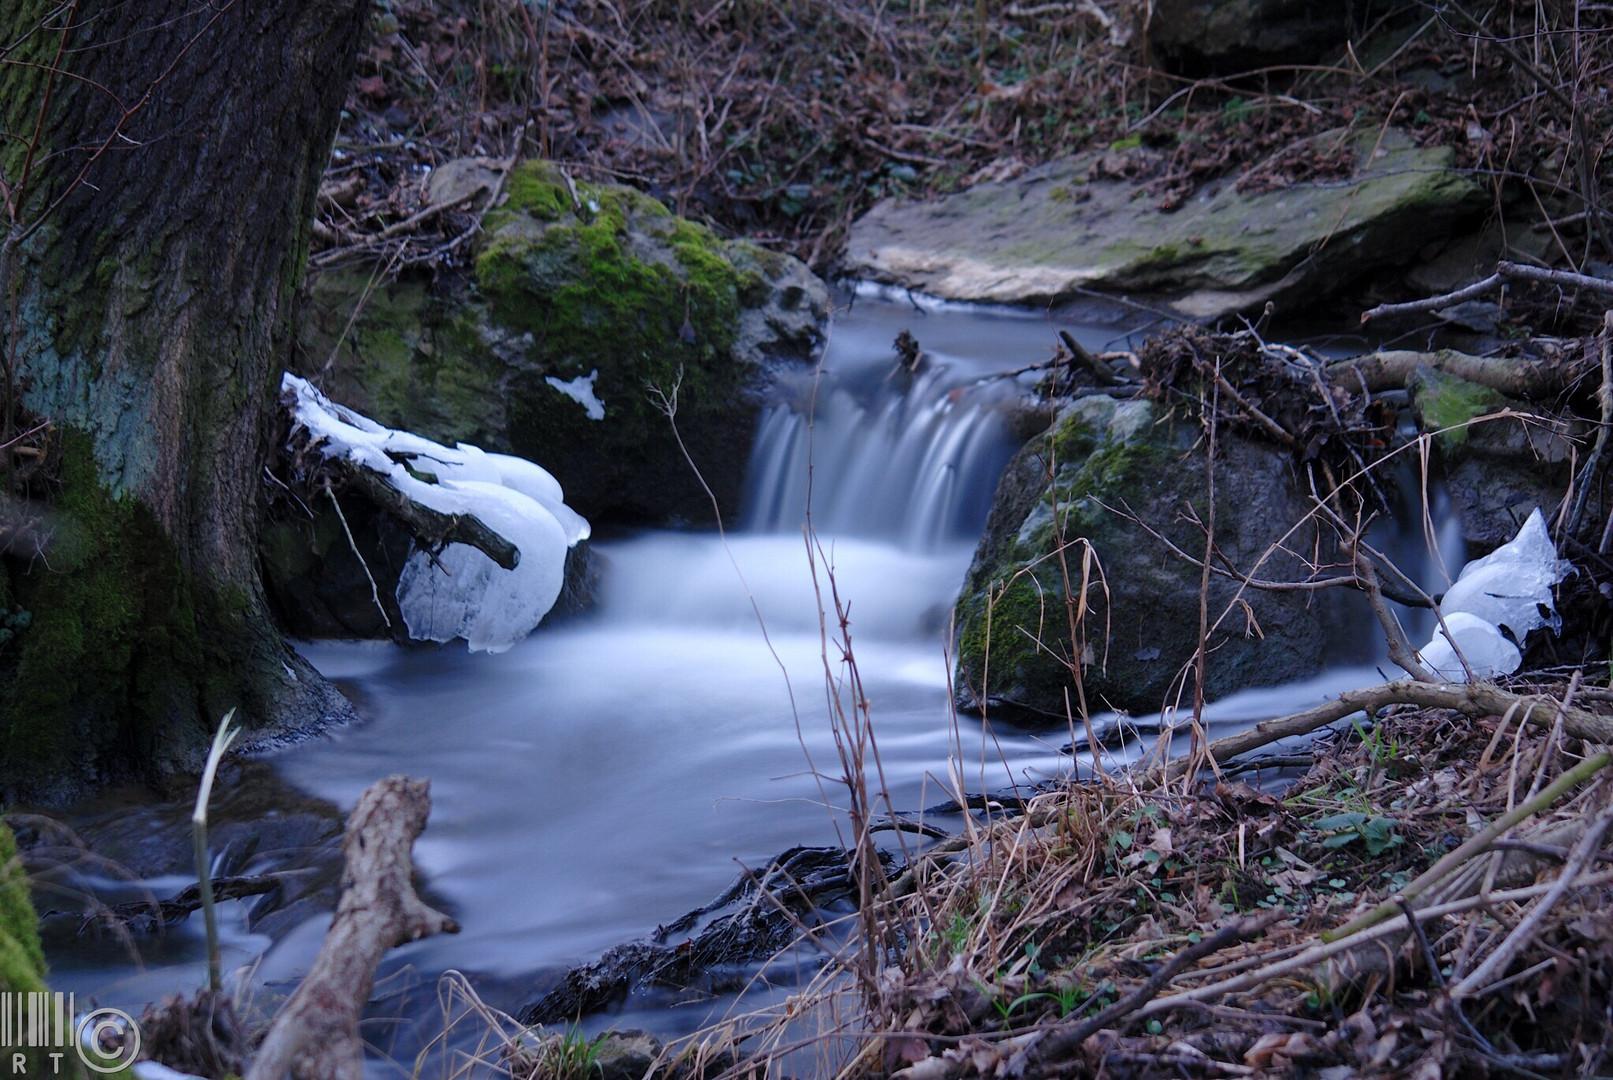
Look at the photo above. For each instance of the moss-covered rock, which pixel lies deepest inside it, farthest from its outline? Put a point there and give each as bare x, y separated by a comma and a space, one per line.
587, 303
22, 961
1062, 230
1056, 521
1497, 471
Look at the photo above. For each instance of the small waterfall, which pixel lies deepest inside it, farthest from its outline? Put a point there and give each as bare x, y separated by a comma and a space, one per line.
880, 454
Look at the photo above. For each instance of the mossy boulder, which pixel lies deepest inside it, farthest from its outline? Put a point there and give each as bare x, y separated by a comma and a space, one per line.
586, 304
1498, 470
1062, 230
1064, 512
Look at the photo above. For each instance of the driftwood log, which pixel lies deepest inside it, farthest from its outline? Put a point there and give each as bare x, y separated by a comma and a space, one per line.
1529, 378
315, 1036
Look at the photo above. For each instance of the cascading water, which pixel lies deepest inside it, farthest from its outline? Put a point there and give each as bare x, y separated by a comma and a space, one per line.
612, 772
605, 775
911, 458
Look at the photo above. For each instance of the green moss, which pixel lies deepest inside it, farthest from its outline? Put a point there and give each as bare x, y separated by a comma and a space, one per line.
22, 961
1446, 403
624, 289
1016, 632
24, 78
406, 360
1102, 453
111, 654
537, 188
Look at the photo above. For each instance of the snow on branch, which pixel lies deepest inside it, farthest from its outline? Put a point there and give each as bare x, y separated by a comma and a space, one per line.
494, 528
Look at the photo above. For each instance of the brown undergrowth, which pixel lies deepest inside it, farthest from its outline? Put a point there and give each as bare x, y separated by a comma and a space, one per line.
783, 121
1124, 930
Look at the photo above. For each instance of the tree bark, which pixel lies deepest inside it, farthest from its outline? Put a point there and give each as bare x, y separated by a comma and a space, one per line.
160, 161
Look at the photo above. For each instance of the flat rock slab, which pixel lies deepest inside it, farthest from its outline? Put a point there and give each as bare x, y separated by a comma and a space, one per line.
1057, 232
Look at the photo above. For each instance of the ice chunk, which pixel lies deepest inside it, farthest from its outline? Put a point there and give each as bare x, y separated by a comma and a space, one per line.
1511, 586
463, 593
581, 390
1486, 649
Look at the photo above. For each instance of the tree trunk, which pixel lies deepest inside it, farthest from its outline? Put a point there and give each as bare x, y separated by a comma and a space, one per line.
160, 161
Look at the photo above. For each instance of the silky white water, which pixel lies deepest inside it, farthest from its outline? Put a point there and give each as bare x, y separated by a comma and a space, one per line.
614, 771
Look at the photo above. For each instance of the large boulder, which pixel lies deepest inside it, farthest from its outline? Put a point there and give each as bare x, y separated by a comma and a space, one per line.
1500, 458
1063, 230
1223, 37
1110, 467
587, 303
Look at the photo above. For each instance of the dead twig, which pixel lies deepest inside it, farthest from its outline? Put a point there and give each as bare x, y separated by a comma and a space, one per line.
1504, 272
1527, 931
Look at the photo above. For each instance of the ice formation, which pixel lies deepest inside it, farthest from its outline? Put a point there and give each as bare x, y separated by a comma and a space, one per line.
1486, 649
581, 390
464, 594
1511, 588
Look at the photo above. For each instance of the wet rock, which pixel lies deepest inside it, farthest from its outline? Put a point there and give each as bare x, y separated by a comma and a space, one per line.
1058, 231
1497, 471
1222, 37
586, 303
1105, 459
626, 1055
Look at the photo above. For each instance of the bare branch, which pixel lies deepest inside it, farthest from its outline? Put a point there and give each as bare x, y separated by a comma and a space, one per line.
1504, 271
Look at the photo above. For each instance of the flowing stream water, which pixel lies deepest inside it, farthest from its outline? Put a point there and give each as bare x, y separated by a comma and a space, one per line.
614, 771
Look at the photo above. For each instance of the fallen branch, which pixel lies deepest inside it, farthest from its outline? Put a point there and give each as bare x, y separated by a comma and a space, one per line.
315, 1036
1472, 699
433, 527
1504, 272
1525, 933
1516, 377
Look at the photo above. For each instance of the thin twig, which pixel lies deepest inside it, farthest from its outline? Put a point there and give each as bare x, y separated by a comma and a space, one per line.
1504, 271
1527, 931
375, 593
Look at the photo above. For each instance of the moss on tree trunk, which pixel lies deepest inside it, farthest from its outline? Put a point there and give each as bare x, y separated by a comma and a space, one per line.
149, 270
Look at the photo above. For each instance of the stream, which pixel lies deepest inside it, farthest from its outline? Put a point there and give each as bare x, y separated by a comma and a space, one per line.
616, 770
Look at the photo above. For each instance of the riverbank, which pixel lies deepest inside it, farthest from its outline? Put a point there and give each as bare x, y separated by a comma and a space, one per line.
784, 123
1125, 926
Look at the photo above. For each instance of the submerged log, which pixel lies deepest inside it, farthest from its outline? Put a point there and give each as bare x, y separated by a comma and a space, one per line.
315, 1037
